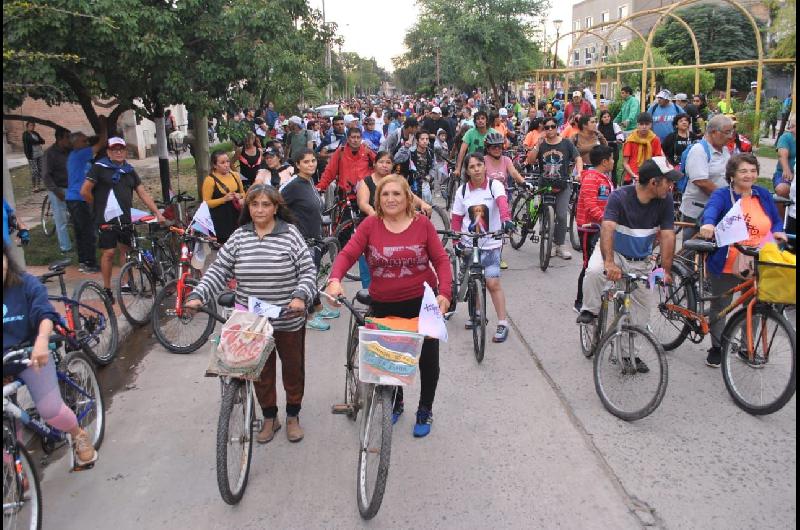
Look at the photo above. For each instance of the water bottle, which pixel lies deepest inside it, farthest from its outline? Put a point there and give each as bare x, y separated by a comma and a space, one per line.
148, 256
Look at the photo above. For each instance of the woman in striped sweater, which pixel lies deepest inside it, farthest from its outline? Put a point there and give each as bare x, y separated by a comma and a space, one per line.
269, 260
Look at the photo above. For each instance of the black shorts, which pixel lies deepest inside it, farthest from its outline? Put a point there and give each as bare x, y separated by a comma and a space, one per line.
108, 239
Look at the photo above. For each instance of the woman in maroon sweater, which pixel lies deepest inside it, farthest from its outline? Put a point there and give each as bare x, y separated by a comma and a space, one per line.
400, 247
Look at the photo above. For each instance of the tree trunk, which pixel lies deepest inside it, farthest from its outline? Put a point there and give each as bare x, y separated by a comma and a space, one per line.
201, 155
492, 83
23, 117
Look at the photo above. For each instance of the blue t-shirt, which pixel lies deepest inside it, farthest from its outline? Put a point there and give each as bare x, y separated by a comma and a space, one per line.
662, 119
79, 163
24, 308
8, 211
637, 223
787, 141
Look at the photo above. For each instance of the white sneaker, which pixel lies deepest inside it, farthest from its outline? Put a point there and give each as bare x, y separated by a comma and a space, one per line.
562, 252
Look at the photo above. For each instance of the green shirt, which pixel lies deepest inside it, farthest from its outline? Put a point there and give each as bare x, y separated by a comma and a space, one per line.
629, 112
474, 139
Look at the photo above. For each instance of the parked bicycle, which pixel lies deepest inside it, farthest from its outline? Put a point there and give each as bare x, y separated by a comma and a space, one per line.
46, 217
630, 366
88, 316
22, 495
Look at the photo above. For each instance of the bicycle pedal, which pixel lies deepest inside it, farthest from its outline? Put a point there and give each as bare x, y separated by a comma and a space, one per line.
341, 408
535, 239
258, 424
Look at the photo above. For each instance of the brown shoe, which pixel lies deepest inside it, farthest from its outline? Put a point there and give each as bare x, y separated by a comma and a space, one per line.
293, 430
85, 454
268, 430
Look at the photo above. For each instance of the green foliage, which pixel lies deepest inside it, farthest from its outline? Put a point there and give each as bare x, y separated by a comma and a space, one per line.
683, 81
235, 131
724, 34
785, 28
634, 51
487, 42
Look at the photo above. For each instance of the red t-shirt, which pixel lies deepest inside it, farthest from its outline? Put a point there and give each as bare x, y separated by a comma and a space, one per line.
595, 190
399, 263
631, 151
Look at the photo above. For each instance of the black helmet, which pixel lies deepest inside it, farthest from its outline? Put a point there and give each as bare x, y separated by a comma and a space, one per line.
494, 138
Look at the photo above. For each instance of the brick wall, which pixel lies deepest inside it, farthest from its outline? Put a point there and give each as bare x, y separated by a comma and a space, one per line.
69, 116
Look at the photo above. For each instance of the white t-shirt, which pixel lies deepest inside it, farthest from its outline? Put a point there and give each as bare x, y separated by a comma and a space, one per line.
480, 211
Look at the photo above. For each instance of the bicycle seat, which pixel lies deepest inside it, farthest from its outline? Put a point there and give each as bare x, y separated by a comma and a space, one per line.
363, 297
226, 299
700, 245
59, 265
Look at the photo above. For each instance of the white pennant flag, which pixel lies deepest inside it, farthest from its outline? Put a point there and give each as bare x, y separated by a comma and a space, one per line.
202, 220
733, 228
113, 209
431, 321
262, 308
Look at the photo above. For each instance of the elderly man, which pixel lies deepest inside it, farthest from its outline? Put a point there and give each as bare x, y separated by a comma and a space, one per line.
664, 111
705, 167
578, 105
298, 138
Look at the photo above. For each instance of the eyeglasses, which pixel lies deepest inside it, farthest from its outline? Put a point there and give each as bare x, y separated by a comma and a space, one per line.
550, 127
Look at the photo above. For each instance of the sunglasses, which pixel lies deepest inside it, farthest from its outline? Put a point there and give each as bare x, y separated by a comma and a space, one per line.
550, 127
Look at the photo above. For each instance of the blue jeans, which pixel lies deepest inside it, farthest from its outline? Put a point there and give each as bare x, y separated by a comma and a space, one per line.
59, 209
363, 271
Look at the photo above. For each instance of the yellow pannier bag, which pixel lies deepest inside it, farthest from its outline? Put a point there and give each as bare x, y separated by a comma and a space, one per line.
777, 278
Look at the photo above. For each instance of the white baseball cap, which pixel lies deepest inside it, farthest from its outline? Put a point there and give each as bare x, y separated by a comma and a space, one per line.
577, 93
664, 94
436, 110
296, 120
503, 111
116, 140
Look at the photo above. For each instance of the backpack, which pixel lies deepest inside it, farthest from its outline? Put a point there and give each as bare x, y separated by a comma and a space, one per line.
464, 189
684, 181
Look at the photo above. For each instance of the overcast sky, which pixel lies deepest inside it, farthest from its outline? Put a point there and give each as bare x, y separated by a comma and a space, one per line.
376, 28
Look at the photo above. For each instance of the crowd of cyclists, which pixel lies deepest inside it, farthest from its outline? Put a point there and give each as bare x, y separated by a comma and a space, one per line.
392, 159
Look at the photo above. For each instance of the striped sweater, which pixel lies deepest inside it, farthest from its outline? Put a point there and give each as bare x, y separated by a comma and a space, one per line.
275, 269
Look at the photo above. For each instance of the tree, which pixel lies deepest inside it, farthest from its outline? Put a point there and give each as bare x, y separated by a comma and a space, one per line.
785, 29
477, 41
634, 51
683, 81
725, 34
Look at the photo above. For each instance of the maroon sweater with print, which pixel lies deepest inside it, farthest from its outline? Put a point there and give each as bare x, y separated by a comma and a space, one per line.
399, 263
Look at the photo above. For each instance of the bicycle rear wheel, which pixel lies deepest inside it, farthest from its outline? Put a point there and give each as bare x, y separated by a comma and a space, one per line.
100, 340
625, 390
136, 293
185, 333
666, 323
574, 236
329, 249
352, 384
441, 221
546, 232
521, 218
343, 234
81, 392
452, 186
375, 450
46, 217
22, 494
764, 383
477, 305
234, 439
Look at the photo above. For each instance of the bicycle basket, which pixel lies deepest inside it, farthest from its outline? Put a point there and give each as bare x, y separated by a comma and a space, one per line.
244, 345
777, 281
388, 357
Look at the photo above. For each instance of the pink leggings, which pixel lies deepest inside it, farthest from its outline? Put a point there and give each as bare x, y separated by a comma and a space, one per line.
43, 386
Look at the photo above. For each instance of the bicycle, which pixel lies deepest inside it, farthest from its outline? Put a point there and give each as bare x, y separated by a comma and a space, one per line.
46, 217
439, 216
758, 344
22, 496
89, 316
175, 328
175, 211
328, 249
340, 221
572, 227
469, 284
533, 206
618, 348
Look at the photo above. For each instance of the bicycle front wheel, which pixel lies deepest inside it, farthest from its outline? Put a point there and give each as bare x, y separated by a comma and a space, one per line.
630, 373
100, 340
81, 392
329, 249
343, 234
547, 228
234, 439
352, 384
22, 494
667, 322
764, 382
375, 450
136, 293
521, 218
441, 221
574, 236
477, 306
185, 333
46, 217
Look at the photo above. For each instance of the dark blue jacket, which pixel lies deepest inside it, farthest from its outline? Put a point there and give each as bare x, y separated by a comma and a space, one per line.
24, 308
719, 204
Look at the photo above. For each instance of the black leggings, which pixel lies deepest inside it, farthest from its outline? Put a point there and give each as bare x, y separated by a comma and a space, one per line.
429, 359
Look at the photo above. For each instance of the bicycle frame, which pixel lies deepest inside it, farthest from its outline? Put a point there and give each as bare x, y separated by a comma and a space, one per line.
70, 330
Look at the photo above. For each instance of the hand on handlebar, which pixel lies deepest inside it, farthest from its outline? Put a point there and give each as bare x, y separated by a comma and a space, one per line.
613, 272
706, 231
444, 304
335, 290
781, 237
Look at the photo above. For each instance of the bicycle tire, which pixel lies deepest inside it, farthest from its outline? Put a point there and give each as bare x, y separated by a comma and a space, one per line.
455, 268
377, 414
83, 387
343, 234
736, 371
235, 392
452, 187
477, 291
441, 221
46, 217
521, 218
572, 230
352, 384
164, 318
670, 328
13, 491
329, 250
546, 231
602, 360
101, 355
141, 298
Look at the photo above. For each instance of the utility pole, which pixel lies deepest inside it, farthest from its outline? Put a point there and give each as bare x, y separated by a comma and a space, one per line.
328, 62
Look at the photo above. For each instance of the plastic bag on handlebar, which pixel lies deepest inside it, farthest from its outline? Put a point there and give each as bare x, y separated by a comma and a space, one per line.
245, 343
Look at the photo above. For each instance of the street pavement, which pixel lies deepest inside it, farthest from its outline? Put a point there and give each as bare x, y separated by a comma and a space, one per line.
520, 441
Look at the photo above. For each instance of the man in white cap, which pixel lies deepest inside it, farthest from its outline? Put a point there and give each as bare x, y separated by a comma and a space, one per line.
434, 122
750, 100
578, 105
664, 111
298, 138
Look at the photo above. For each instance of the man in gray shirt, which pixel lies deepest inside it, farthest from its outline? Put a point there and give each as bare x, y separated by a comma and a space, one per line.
706, 170
56, 181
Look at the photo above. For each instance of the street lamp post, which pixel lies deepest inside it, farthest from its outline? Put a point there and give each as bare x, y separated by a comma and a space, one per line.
557, 25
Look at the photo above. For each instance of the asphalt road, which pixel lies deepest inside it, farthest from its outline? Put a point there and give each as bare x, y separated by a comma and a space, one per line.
521, 441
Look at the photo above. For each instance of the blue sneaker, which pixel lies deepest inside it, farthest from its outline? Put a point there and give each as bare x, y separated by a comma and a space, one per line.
424, 420
397, 411
318, 324
328, 313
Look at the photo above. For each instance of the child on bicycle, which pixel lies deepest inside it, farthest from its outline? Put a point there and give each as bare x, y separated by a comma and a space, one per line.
29, 317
